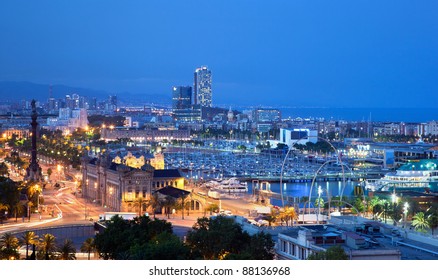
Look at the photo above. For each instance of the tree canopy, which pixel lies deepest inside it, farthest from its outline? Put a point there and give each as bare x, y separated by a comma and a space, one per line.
141, 238
222, 238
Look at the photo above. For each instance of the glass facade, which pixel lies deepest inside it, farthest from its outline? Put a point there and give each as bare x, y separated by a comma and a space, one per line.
181, 97
202, 87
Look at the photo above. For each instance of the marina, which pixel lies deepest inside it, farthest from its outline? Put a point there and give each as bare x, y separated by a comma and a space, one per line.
199, 165
296, 192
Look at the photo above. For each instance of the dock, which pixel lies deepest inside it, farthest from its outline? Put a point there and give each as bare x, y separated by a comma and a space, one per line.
274, 195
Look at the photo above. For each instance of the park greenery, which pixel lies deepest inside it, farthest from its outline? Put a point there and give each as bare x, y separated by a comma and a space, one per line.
222, 238
147, 239
18, 199
210, 238
44, 247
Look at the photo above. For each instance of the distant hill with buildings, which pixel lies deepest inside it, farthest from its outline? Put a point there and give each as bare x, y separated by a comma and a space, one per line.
15, 91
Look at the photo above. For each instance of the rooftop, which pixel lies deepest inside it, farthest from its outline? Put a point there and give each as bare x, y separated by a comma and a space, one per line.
167, 173
173, 192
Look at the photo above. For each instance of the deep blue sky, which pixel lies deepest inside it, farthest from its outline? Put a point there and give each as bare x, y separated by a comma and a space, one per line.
358, 53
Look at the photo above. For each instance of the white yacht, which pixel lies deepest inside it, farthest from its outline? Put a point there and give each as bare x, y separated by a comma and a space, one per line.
232, 185
414, 175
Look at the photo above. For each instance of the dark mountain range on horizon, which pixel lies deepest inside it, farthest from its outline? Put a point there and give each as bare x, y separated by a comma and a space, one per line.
16, 91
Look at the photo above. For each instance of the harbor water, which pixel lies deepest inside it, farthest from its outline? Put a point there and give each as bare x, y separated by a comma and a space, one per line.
300, 190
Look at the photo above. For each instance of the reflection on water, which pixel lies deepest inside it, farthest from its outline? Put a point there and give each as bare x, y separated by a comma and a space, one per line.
303, 189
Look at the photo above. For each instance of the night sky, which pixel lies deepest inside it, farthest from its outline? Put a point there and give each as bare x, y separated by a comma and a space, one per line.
296, 53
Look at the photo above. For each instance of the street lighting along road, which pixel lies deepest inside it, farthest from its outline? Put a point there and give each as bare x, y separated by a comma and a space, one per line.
405, 212
319, 203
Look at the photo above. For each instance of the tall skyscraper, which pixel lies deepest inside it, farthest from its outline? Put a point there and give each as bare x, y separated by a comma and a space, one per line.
202, 87
182, 107
181, 97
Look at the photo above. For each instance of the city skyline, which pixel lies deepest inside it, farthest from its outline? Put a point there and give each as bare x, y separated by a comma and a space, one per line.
289, 53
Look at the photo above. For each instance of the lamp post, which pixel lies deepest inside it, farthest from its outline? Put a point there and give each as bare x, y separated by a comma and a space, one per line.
394, 203
319, 203
85, 200
37, 188
405, 212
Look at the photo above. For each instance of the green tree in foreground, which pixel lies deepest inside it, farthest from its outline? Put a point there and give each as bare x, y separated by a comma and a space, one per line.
28, 238
88, 246
67, 250
432, 217
9, 247
47, 247
154, 202
332, 253
141, 238
420, 222
164, 246
222, 238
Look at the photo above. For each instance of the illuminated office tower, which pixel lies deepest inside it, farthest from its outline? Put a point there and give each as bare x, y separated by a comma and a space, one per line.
202, 87
182, 107
181, 97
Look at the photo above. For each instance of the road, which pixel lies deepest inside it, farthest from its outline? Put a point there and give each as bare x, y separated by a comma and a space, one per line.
66, 206
61, 206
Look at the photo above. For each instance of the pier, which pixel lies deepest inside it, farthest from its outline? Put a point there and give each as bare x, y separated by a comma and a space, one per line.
274, 195
319, 177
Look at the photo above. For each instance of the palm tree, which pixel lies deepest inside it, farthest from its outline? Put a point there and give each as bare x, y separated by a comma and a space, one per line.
187, 205
9, 246
29, 207
67, 251
18, 209
377, 206
139, 203
319, 202
154, 202
47, 246
28, 238
420, 222
432, 219
212, 208
288, 214
3, 207
168, 203
31, 191
182, 203
270, 219
88, 246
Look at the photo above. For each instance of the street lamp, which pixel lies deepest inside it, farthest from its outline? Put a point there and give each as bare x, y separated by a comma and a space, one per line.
319, 203
85, 200
405, 212
386, 211
37, 188
394, 199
